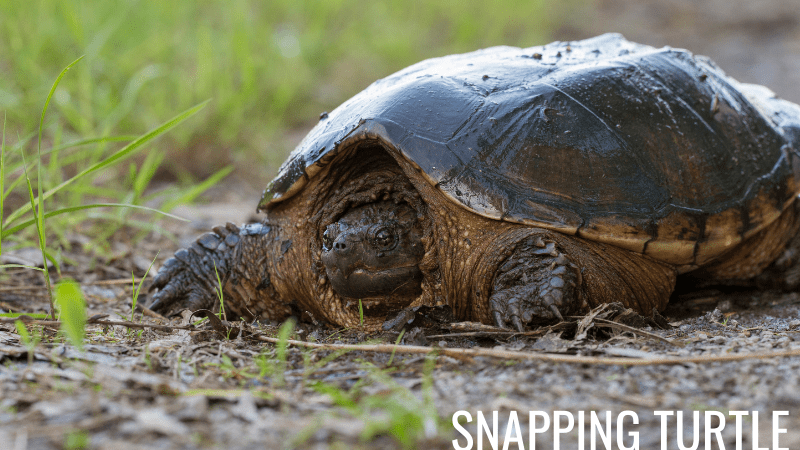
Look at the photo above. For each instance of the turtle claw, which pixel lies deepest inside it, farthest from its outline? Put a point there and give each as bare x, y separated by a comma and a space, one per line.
179, 285
498, 319
556, 313
158, 305
517, 323
506, 311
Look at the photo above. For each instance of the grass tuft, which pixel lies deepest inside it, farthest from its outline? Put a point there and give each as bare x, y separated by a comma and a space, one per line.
13, 224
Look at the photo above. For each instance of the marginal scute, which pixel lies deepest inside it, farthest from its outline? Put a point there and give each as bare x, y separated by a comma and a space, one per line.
548, 216
673, 252
680, 226
624, 233
761, 211
723, 231
676, 237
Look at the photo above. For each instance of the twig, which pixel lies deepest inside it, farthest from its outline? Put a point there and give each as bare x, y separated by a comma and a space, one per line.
611, 324
531, 356
167, 328
7, 306
482, 330
124, 281
93, 321
150, 313
489, 334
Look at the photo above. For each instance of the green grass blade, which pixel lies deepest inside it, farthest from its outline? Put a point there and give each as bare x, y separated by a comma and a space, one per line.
22, 330
119, 154
146, 173
396, 343
190, 195
72, 311
52, 259
57, 212
29, 342
50, 96
136, 288
2, 180
281, 348
89, 141
40, 233
40, 211
218, 289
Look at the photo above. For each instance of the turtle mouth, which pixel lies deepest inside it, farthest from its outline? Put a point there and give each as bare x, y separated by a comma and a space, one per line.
381, 273
361, 282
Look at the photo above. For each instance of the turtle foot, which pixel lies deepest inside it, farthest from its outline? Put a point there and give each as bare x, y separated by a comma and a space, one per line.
537, 283
191, 278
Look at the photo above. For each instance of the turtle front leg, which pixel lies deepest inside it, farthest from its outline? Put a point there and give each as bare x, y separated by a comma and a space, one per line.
189, 279
536, 282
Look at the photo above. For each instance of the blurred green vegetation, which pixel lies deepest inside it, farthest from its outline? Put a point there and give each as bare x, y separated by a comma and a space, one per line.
270, 67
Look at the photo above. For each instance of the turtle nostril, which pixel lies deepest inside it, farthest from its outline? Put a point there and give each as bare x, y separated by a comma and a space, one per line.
340, 246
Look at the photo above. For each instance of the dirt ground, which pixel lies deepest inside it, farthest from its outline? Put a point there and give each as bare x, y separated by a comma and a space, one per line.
178, 388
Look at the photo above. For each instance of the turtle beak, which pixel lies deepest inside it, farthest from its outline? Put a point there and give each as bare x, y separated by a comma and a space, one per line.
343, 247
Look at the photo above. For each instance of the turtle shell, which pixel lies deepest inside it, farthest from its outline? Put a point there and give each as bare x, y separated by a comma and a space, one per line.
652, 150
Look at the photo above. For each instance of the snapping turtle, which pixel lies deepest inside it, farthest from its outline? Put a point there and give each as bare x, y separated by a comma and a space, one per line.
516, 185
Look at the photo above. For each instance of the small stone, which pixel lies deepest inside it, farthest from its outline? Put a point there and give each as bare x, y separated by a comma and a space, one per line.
157, 420
246, 408
194, 407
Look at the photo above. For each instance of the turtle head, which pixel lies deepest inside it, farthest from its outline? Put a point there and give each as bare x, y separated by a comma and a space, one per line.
373, 253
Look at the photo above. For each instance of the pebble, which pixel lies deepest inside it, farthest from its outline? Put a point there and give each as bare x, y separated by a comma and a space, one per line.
155, 420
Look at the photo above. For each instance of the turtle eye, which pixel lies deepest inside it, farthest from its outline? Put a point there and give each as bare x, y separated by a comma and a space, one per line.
327, 238
385, 239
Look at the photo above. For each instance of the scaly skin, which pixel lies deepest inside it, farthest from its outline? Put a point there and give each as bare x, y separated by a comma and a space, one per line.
191, 275
536, 281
